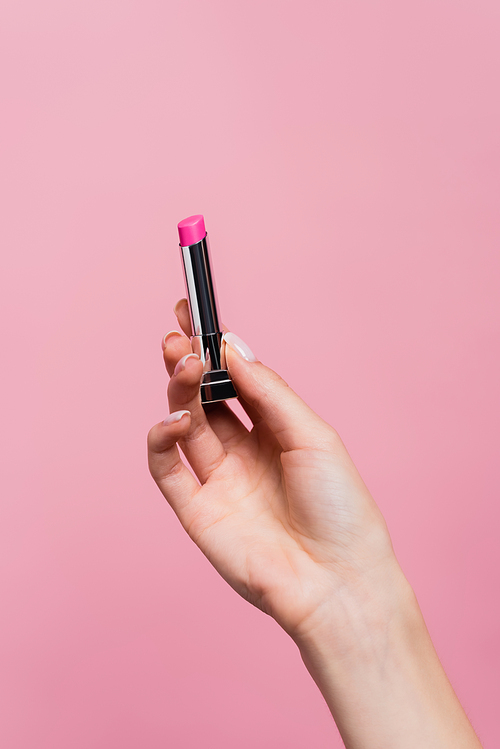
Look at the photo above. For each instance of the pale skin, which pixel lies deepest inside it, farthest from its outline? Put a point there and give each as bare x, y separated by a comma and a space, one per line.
284, 516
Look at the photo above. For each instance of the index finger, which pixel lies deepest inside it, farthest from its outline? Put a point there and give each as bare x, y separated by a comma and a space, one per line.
181, 311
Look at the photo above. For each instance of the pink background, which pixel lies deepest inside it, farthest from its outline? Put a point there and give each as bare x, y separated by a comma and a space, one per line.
346, 157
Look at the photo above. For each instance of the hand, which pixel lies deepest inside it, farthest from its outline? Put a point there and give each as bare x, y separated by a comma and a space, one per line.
283, 515
280, 511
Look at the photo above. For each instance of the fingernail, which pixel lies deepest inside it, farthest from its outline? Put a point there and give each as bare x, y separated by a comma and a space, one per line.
179, 303
167, 335
175, 416
239, 346
181, 364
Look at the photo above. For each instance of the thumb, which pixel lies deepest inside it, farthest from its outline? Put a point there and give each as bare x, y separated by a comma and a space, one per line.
292, 422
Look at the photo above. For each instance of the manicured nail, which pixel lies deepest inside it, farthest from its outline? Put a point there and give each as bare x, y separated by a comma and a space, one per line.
181, 364
239, 346
167, 335
179, 304
175, 416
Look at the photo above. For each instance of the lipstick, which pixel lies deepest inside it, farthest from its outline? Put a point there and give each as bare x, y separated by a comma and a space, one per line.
216, 385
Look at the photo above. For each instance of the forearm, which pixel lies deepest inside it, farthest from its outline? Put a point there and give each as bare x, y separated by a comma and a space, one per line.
381, 678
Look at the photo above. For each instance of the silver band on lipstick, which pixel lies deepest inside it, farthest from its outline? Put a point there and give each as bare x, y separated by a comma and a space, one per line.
207, 342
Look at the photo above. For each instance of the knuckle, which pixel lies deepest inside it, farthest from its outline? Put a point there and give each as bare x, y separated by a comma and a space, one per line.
333, 439
174, 471
198, 429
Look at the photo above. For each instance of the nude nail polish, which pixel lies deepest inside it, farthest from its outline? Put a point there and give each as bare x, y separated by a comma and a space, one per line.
181, 364
167, 335
239, 346
173, 417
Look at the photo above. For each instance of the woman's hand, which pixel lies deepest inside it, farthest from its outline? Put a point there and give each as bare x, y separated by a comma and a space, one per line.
280, 511
283, 515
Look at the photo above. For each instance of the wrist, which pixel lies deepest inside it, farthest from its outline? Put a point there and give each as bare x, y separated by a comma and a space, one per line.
358, 615
373, 660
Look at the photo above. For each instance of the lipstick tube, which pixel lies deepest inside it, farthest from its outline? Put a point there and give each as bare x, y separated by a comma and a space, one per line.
207, 342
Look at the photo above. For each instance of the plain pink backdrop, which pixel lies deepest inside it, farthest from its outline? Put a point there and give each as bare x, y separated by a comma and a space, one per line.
346, 157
